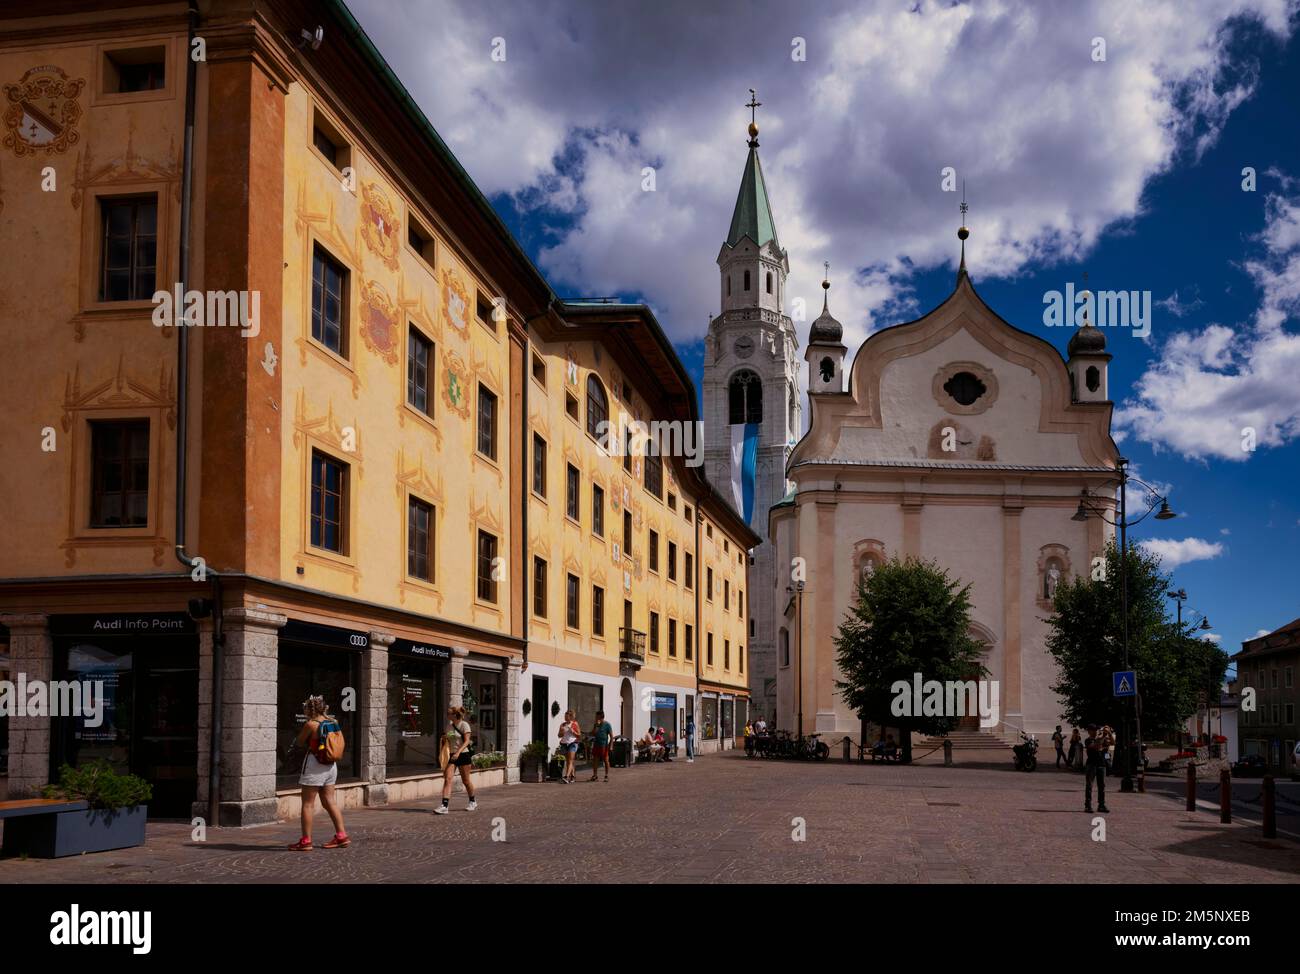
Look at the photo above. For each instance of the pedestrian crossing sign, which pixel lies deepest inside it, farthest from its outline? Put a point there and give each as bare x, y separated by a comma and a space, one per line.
1125, 683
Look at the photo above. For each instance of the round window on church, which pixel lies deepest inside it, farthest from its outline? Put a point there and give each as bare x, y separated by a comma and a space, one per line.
965, 388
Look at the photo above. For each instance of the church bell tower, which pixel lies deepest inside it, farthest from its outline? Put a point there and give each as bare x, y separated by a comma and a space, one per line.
751, 397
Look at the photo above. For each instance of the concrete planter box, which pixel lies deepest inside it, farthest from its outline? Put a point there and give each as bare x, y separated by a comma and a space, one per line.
73, 833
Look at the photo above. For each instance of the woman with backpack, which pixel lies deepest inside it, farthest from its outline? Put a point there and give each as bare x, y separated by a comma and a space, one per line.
319, 772
459, 740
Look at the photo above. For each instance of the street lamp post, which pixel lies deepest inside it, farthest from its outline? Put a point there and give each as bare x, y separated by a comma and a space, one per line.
1163, 514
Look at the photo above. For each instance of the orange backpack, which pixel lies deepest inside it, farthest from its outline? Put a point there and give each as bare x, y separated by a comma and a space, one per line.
327, 744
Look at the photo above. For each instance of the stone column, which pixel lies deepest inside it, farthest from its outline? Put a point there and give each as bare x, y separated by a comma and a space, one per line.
1012, 586
250, 660
200, 807
31, 653
372, 721
512, 742
456, 677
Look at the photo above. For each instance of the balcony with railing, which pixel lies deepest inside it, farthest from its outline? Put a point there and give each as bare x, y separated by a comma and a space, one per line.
631, 647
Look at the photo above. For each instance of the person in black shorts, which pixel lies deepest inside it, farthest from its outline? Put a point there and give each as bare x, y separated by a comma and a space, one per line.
460, 754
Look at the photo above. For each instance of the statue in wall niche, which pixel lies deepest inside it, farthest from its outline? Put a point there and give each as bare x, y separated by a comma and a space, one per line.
1052, 581
986, 450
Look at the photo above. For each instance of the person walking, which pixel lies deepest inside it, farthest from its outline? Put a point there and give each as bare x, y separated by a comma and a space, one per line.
460, 756
1076, 745
317, 778
570, 734
601, 733
690, 738
1095, 746
1059, 740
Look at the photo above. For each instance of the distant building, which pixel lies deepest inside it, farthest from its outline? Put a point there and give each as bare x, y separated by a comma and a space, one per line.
1267, 665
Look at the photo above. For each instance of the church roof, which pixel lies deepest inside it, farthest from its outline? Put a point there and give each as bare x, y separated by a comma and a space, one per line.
753, 215
825, 330
1087, 339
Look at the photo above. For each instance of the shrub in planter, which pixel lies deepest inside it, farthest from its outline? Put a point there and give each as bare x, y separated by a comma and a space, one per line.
532, 761
115, 819
488, 759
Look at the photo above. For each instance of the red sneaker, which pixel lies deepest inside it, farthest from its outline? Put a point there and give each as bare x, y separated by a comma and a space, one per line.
340, 841
302, 845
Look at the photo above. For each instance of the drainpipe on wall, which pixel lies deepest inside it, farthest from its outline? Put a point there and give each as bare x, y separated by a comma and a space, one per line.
182, 424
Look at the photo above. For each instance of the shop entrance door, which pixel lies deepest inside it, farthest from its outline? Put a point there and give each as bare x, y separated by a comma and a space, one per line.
166, 731
541, 707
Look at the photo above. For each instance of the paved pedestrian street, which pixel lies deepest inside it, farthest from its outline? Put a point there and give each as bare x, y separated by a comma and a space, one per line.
729, 819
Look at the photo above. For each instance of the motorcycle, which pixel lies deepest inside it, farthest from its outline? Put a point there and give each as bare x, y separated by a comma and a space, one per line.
1025, 753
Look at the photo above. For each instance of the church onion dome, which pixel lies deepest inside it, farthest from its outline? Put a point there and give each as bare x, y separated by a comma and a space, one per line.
825, 330
1088, 339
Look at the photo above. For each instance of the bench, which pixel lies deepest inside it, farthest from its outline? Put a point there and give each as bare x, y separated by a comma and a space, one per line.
49, 828
33, 812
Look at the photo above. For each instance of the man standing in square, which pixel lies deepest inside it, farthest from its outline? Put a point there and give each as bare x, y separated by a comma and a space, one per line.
1095, 747
601, 733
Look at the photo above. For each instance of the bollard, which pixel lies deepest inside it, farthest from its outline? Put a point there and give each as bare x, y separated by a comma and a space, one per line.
847, 742
947, 753
1225, 797
1191, 787
1270, 813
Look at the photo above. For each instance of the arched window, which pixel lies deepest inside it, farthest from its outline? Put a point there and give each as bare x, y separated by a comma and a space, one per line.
745, 398
597, 407
746, 280
769, 282
827, 369
792, 410
1092, 378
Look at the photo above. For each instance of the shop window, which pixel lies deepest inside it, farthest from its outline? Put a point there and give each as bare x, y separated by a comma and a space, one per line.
584, 700
128, 255
709, 717
487, 556
487, 422
419, 539
119, 461
303, 671
329, 502
419, 353
416, 689
481, 698
329, 299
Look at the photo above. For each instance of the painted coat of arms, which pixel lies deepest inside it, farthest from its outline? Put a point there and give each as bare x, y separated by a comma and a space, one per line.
379, 322
379, 224
455, 301
41, 111
455, 385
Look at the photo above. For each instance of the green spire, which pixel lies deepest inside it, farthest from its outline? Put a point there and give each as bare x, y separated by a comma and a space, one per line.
753, 215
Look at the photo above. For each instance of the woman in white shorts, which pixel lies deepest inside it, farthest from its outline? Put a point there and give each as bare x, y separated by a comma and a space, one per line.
317, 778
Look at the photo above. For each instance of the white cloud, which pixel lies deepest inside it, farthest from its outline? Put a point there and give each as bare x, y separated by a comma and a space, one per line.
1178, 307
1261, 632
1055, 146
1223, 392
1213, 637
1172, 554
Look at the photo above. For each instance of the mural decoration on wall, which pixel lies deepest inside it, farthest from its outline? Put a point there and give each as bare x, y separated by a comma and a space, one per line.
455, 301
570, 365
455, 384
379, 224
379, 322
41, 111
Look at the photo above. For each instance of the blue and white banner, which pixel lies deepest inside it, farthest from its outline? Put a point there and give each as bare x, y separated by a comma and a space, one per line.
744, 467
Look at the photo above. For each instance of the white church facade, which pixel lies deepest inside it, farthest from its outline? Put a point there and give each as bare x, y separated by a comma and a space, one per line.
959, 439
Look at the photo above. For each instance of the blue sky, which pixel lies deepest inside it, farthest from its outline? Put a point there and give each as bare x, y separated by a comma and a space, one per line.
1129, 169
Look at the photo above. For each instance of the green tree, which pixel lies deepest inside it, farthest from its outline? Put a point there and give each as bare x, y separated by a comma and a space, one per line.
1086, 639
909, 617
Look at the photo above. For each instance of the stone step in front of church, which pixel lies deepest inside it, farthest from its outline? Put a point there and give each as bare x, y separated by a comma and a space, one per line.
967, 740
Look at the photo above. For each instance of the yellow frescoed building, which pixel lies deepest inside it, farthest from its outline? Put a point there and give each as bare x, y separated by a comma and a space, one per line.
354, 397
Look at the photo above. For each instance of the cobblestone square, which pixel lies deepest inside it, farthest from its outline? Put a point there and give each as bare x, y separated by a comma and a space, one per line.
729, 819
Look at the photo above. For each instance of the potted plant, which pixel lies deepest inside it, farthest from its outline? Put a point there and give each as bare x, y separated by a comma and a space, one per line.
487, 760
114, 819
556, 767
532, 761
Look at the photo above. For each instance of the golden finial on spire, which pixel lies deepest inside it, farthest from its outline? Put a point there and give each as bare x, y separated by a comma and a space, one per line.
753, 106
